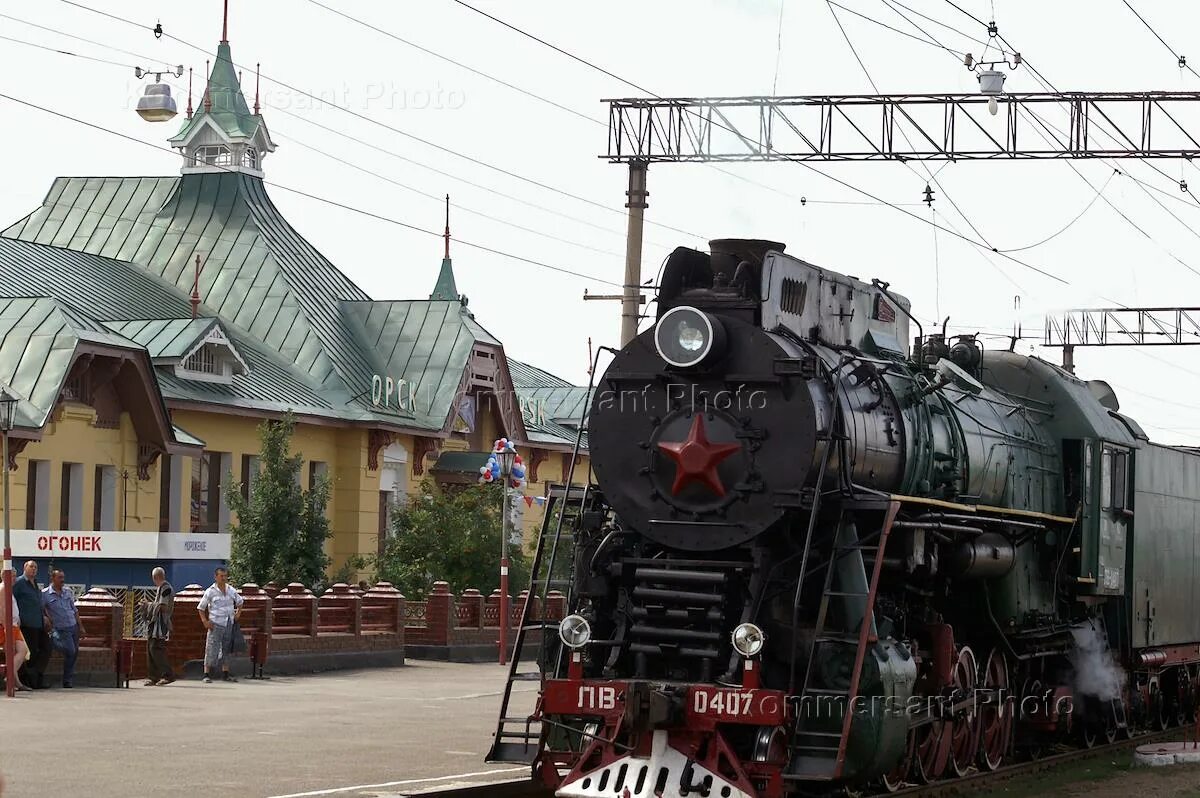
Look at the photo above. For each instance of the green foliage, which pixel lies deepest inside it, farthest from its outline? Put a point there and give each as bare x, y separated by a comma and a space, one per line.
453, 536
281, 531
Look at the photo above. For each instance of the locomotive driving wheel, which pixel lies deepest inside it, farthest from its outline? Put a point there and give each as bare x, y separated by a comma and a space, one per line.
931, 751
964, 729
895, 779
995, 717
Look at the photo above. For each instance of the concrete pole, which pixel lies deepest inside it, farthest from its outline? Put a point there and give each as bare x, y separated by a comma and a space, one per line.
10, 653
636, 203
1068, 360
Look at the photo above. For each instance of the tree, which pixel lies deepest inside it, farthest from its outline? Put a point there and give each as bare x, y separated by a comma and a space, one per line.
453, 536
281, 531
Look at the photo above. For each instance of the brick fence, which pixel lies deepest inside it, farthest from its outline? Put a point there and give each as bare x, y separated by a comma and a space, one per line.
444, 623
344, 623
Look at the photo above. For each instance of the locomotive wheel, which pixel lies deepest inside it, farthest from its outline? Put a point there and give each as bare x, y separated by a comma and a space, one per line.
931, 753
996, 719
1087, 734
1032, 688
1183, 696
964, 730
1158, 709
1110, 720
895, 779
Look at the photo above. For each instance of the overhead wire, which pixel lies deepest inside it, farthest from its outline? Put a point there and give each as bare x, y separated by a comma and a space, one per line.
1178, 57
399, 131
339, 133
804, 164
574, 112
370, 172
315, 197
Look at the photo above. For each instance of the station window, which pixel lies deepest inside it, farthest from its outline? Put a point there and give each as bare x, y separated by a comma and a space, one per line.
212, 155
317, 471
208, 509
104, 503
250, 471
71, 497
37, 495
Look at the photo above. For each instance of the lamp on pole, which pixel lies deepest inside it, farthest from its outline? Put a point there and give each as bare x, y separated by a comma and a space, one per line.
8, 407
507, 458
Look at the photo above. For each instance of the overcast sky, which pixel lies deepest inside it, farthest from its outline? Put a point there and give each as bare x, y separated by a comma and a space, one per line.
672, 47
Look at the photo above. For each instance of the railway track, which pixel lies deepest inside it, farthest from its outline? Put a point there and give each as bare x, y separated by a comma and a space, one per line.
983, 779
960, 786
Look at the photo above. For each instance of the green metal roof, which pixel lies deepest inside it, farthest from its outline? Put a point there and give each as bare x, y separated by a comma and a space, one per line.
115, 291
461, 462
426, 343
445, 288
121, 251
164, 339
228, 105
563, 402
183, 436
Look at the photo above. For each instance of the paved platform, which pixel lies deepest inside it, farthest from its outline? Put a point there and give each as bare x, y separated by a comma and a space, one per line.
358, 734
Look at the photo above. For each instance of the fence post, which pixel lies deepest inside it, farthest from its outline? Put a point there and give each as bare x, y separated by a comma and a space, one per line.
439, 613
386, 592
473, 599
258, 606
103, 617
556, 606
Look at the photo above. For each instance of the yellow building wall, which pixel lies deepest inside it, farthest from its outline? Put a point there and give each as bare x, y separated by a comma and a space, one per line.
71, 437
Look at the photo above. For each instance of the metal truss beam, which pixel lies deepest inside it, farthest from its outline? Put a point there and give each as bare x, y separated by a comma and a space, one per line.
1124, 327
927, 127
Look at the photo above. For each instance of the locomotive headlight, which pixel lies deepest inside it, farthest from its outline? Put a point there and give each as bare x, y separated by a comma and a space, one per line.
686, 337
748, 639
575, 631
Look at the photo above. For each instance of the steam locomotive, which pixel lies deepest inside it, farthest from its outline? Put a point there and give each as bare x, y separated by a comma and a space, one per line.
820, 555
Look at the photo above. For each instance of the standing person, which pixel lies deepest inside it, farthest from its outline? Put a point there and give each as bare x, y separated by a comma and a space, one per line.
159, 631
20, 650
219, 608
28, 594
65, 629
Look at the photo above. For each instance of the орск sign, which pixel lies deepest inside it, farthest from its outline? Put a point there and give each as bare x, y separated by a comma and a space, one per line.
119, 545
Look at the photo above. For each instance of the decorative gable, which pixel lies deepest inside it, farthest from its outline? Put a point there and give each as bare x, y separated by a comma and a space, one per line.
212, 359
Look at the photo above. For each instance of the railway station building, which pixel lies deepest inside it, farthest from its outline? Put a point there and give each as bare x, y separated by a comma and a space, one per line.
142, 376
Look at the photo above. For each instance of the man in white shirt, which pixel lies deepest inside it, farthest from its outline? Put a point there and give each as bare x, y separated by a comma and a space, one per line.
220, 608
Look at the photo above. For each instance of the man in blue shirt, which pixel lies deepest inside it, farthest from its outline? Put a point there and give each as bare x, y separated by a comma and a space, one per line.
59, 601
28, 594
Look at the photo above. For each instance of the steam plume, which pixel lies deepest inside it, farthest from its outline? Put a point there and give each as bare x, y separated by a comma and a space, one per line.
1096, 672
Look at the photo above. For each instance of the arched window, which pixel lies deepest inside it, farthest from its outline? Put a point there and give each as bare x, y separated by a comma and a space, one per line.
250, 157
212, 155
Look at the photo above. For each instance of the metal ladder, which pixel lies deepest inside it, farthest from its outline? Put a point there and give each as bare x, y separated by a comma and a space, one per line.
517, 738
818, 751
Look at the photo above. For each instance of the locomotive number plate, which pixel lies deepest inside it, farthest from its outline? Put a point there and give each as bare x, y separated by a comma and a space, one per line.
726, 705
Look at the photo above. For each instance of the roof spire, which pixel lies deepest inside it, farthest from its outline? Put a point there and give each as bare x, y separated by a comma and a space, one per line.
207, 94
225, 23
189, 108
445, 289
196, 286
257, 76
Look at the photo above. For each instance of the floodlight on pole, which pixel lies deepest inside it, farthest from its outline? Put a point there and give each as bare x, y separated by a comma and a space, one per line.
507, 458
8, 410
157, 104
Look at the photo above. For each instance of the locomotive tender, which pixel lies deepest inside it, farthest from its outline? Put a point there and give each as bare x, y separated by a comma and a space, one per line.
825, 556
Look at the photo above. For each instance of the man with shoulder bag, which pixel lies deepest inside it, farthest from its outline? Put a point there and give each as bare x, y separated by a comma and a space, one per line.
220, 609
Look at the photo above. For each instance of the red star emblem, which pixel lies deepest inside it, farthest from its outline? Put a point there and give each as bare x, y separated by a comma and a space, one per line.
696, 458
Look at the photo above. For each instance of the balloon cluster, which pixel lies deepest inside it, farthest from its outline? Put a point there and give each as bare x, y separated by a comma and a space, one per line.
491, 471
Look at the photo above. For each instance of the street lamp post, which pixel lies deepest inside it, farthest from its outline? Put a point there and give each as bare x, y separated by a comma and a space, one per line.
507, 458
8, 406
